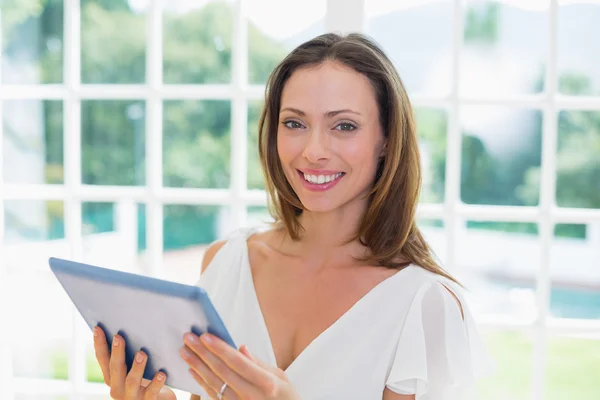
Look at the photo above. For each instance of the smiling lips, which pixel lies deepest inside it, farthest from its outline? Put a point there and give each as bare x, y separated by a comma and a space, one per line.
319, 181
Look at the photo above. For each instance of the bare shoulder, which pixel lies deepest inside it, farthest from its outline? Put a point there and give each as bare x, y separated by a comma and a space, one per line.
263, 245
210, 253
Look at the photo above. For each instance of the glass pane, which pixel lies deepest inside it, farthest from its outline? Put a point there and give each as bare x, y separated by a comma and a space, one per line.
498, 262
32, 41
258, 216
255, 173
113, 142
512, 353
34, 230
578, 164
425, 64
505, 47
111, 235
432, 127
196, 143
501, 155
38, 355
275, 28
578, 48
197, 41
33, 141
574, 270
113, 41
188, 230
434, 233
572, 368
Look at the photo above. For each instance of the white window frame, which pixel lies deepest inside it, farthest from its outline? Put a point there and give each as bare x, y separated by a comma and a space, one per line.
342, 16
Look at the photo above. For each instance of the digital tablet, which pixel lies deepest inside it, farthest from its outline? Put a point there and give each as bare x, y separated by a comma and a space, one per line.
151, 314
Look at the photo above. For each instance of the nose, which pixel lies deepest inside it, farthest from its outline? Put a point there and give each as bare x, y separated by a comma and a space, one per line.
317, 147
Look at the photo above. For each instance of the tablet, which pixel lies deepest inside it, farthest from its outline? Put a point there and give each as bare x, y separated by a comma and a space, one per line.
151, 314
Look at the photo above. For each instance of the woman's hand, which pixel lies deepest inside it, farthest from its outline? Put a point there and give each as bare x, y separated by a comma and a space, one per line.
213, 362
123, 385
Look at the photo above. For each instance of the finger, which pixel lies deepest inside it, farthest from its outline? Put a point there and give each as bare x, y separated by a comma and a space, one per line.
212, 381
228, 394
118, 369
221, 369
223, 359
133, 382
152, 391
102, 353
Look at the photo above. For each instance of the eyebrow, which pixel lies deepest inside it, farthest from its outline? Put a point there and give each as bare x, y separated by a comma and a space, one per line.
328, 113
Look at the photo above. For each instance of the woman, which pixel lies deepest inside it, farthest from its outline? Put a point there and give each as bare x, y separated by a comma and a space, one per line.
341, 298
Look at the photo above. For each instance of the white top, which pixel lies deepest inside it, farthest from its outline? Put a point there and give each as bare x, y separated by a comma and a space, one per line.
407, 333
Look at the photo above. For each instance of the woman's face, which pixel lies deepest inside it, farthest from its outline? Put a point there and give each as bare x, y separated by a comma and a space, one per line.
329, 137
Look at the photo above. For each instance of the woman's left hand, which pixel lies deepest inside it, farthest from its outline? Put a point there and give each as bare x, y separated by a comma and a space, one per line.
213, 362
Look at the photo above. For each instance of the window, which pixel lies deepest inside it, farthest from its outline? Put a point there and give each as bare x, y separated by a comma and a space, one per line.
131, 125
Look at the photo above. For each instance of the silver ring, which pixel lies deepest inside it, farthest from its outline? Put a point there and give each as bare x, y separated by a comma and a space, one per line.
220, 394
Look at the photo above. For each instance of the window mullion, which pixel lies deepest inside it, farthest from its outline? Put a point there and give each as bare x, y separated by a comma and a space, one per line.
154, 140
239, 113
547, 205
453, 150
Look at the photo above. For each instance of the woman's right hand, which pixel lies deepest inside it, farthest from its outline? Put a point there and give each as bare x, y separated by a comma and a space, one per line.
123, 385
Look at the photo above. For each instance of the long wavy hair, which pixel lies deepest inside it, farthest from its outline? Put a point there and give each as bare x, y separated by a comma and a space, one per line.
388, 228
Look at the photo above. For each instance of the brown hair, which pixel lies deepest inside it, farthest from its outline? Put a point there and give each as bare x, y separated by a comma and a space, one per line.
388, 227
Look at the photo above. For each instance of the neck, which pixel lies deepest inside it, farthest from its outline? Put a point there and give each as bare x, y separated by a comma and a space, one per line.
326, 234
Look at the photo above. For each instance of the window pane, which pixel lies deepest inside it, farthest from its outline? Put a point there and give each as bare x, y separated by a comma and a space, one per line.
197, 41
113, 41
112, 235
574, 270
33, 141
255, 173
432, 126
275, 28
258, 216
498, 262
38, 355
197, 144
512, 353
578, 164
572, 368
32, 42
113, 142
424, 65
434, 233
578, 48
187, 231
505, 47
501, 155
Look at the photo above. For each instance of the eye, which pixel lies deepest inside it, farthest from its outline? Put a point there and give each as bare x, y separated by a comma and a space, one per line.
345, 126
293, 124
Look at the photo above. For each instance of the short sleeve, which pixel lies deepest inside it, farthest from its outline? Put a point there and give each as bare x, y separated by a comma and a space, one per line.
439, 355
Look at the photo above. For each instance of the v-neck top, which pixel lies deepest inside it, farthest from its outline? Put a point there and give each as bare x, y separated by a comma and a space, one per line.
406, 334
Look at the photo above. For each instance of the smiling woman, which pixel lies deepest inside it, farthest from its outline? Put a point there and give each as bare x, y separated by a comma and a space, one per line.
339, 149
338, 146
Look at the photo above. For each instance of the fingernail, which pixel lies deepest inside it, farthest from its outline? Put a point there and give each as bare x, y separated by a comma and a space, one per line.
160, 377
185, 353
96, 333
116, 341
191, 338
139, 357
207, 339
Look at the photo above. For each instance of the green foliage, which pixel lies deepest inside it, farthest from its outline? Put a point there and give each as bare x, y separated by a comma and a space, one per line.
481, 24
197, 45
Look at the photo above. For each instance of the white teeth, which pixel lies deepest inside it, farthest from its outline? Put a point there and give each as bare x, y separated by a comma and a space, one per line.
320, 179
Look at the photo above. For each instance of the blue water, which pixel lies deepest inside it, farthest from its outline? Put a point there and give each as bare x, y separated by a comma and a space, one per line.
575, 303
